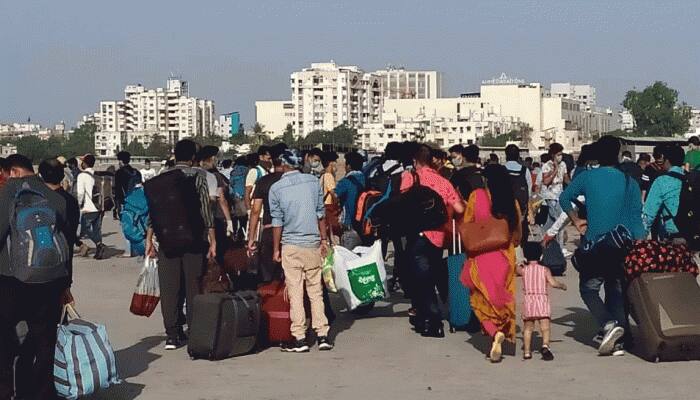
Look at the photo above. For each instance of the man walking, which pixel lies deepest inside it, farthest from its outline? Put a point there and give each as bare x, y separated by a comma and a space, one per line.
300, 242
181, 266
21, 297
125, 179
91, 216
664, 196
612, 199
147, 172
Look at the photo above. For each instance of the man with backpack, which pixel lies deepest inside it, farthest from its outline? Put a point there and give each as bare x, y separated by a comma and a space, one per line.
666, 196
425, 247
223, 223
125, 179
91, 213
469, 177
34, 279
521, 181
349, 187
182, 220
237, 194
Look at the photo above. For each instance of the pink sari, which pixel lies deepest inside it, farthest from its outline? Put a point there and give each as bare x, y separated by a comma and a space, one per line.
490, 277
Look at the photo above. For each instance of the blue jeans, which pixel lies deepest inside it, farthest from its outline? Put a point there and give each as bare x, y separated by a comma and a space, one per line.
91, 226
613, 308
425, 258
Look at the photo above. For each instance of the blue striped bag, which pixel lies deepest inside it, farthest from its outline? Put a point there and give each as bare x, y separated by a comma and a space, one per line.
84, 361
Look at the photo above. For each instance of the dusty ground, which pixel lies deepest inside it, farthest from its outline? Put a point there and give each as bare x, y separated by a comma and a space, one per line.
376, 357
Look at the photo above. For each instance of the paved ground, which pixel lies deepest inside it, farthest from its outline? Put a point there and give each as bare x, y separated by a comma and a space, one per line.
376, 357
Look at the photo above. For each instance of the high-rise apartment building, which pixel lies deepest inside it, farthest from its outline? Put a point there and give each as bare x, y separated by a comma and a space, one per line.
327, 95
168, 112
583, 93
398, 83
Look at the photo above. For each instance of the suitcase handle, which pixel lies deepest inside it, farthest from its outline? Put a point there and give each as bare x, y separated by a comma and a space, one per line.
456, 239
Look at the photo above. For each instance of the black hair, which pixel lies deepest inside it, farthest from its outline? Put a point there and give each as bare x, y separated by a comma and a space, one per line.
512, 153
585, 156
124, 156
471, 153
627, 154
532, 251
328, 157
252, 159
502, 197
19, 161
242, 160
694, 140
644, 157
555, 148
207, 152
147, 161
315, 152
89, 160
657, 152
392, 151
456, 149
262, 150
72, 162
493, 158
354, 160
51, 171
423, 155
440, 154
608, 149
170, 163
674, 154
226, 163
185, 150
3, 164
408, 152
544, 158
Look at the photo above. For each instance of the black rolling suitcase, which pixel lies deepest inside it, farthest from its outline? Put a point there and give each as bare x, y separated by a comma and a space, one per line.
224, 325
665, 307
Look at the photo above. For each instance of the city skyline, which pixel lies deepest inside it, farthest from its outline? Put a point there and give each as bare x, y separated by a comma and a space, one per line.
66, 57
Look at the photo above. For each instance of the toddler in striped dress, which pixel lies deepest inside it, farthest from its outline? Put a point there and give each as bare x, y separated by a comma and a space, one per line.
536, 305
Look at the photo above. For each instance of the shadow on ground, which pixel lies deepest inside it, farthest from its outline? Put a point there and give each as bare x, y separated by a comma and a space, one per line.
583, 326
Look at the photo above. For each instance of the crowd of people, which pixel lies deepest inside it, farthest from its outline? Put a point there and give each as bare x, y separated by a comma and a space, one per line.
288, 209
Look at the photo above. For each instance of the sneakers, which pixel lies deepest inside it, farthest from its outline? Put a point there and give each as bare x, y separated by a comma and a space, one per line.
100, 251
324, 344
546, 353
612, 334
618, 350
173, 343
295, 346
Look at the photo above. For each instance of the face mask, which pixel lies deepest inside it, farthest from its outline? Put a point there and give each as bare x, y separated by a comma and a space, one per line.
457, 161
315, 164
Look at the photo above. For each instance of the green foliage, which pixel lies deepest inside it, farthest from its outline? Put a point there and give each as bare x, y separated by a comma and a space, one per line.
288, 135
656, 111
158, 148
80, 142
341, 135
135, 148
500, 140
258, 128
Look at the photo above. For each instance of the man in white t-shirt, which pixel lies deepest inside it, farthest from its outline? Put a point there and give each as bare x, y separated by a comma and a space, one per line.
147, 172
262, 169
554, 176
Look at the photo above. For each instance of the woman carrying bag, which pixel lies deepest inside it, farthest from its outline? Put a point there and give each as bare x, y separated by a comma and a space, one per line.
490, 232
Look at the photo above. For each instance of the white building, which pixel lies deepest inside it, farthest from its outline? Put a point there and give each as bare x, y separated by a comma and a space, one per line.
7, 150
327, 95
169, 112
626, 121
274, 116
398, 83
585, 94
108, 143
503, 104
694, 128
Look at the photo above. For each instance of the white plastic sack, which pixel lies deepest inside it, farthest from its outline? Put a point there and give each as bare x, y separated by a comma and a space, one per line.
147, 293
360, 279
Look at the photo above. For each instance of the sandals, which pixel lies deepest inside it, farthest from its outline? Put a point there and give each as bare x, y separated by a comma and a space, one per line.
496, 347
546, 354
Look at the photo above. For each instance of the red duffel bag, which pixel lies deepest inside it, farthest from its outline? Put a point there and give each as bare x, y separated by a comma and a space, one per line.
655, 256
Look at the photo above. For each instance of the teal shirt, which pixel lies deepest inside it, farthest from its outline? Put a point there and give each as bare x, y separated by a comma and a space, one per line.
612, 199
662, 200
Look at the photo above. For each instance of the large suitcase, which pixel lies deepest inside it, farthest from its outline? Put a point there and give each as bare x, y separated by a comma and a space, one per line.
665, 307
224, 325
276, 321
460, 310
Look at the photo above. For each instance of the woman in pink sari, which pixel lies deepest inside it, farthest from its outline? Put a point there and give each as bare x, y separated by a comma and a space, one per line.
491, 276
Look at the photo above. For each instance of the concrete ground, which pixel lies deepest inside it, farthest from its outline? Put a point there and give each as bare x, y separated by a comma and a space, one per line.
376, 357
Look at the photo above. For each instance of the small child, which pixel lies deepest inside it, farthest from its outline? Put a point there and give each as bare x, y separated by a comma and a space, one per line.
536, 305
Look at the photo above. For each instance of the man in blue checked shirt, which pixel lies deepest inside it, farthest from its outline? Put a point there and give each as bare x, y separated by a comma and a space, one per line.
300, 244
664, 196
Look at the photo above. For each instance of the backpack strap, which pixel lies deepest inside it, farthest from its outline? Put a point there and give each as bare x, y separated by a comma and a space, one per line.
391, 170
676, 175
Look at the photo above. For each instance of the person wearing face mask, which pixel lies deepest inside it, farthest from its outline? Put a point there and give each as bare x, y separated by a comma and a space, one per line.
456, 156
315, 165
254, 174
554, 176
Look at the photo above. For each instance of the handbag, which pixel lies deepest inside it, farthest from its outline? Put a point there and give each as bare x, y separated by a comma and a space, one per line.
215, 280
484, 236
604, 256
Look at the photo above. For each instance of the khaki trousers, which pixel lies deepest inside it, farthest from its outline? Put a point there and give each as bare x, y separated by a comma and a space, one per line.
302, 267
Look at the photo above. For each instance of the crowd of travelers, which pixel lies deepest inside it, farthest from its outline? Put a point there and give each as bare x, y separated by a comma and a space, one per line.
286, 209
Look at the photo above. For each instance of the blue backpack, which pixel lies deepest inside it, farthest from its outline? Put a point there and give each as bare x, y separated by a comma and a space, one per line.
237, 181
134, 215
38, 249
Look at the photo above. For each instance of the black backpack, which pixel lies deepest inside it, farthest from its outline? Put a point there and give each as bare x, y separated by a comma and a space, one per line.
687, 219
519, 183
174, 205
382, 179
416, 210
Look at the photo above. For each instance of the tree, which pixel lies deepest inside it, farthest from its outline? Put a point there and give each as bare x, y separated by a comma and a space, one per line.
500, 140
135, 148
80, 142
258, 127
288, 136
656, 110
158, 148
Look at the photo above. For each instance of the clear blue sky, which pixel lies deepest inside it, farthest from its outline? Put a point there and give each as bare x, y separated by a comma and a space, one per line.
60, 58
